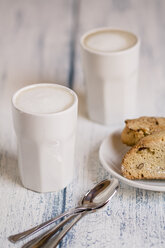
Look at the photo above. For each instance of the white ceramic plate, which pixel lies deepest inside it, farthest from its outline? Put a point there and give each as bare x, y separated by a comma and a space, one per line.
111, 152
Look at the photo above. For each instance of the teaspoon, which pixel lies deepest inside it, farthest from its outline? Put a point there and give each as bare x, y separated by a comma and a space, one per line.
93, 200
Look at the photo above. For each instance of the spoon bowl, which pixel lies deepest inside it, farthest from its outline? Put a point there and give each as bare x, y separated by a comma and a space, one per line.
100, 194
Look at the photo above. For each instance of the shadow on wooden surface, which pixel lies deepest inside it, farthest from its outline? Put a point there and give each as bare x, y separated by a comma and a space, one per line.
9, 168
82, 108
116, 141
96, 172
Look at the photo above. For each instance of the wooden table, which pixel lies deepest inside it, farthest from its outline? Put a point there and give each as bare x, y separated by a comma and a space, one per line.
39, 42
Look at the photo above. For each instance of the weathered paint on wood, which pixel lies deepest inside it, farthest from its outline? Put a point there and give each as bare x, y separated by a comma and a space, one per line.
39, 42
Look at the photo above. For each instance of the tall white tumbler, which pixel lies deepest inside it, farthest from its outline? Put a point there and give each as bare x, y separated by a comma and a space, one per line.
110, 59
45, 117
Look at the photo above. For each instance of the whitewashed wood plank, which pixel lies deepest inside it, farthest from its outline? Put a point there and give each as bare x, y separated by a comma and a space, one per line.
134, 218
34, 47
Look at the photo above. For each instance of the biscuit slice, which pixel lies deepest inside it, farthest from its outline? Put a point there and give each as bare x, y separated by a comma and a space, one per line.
146, 160
136, 129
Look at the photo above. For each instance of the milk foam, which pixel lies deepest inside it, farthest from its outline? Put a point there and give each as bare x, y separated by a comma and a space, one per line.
110, 40
44, 99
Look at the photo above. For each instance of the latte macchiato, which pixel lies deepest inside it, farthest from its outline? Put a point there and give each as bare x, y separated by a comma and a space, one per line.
110, 65
110, 40
45, 117
44, 99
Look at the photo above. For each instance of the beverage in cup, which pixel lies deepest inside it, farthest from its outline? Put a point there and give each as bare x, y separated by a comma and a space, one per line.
45, 117
110, 59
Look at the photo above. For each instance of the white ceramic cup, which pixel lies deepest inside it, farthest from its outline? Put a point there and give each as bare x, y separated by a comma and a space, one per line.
46, 144
110, 67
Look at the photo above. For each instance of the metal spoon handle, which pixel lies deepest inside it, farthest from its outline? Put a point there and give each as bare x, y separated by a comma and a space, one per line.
54, 240
42, 239
22, 235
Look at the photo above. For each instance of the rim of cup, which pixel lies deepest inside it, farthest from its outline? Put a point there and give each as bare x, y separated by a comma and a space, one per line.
75, 101
102, 29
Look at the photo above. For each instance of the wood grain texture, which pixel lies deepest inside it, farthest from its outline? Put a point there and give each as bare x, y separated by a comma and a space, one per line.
39, 42
35, 47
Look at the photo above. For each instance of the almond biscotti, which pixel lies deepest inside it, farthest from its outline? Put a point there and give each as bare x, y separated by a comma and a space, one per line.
136, 129
146, 160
